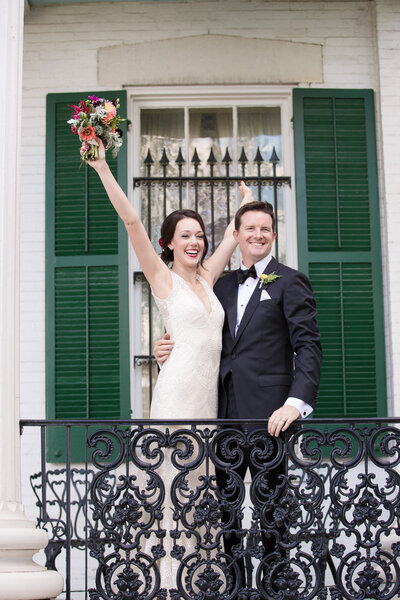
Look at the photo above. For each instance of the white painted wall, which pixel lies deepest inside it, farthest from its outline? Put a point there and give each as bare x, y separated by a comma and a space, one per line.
360, 48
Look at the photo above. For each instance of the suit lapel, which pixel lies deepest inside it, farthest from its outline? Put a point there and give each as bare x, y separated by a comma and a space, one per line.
255, 299
231, 305
271, 267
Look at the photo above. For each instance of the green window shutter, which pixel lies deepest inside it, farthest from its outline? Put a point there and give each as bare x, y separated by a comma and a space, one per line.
87, 330
339, 245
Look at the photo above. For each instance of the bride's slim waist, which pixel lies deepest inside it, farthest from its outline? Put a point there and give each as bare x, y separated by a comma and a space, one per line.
196, 344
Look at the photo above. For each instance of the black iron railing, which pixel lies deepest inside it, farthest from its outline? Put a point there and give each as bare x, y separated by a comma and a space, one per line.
161, 510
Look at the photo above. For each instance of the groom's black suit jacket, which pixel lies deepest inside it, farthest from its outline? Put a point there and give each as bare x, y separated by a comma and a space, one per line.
276, 352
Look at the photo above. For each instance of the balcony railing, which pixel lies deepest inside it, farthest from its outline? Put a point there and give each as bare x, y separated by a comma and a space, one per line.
160, 510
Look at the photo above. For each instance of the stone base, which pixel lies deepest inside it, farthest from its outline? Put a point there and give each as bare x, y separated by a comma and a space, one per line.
42, 585
21, 578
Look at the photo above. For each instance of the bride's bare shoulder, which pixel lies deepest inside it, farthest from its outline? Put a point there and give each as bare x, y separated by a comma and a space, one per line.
205, 275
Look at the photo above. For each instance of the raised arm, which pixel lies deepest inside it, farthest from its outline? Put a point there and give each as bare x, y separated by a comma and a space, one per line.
154, 269
214, 266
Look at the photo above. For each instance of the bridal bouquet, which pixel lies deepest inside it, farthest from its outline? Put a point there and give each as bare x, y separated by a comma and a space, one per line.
96, 117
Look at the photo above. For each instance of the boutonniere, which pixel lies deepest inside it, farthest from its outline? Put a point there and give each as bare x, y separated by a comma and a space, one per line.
266, 279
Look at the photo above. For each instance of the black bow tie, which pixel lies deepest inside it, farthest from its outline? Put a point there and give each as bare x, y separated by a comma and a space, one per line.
243, 274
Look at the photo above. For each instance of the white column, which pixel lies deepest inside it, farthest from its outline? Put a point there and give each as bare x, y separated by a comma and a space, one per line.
388, 65
20, 577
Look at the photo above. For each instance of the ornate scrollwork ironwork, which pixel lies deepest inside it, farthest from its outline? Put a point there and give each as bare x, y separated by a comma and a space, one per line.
161, 494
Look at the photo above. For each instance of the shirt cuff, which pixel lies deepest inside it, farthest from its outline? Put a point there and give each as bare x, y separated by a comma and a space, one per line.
303, 408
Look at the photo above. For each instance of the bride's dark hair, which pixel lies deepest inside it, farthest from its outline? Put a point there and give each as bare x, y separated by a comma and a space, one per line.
168, 229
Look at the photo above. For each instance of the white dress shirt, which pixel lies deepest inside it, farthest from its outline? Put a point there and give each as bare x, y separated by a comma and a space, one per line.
245, 290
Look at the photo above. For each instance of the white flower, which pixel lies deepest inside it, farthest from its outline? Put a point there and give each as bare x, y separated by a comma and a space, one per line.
101, 112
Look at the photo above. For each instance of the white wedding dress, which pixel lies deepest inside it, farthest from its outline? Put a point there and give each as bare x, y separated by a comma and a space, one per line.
186, 388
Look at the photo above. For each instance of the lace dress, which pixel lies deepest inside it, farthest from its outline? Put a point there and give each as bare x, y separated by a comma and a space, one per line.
186, 388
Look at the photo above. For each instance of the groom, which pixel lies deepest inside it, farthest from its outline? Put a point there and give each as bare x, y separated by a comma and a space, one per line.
270, 363
271, 353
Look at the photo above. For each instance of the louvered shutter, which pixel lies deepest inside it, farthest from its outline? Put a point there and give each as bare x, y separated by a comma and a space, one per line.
339, 245
87, 348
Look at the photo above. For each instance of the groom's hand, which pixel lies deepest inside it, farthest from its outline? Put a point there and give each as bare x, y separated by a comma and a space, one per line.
163, 348
281, 419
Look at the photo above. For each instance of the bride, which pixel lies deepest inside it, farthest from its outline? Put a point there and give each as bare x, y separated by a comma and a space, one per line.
193, 317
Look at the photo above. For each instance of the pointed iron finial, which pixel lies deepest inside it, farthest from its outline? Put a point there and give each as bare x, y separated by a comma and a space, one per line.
227, 159
274, 159
149, 159
243, 158
179, 159
211, 159
195, 160
258, 158
164, 160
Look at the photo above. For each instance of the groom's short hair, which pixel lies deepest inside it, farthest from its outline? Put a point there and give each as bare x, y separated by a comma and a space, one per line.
265, 207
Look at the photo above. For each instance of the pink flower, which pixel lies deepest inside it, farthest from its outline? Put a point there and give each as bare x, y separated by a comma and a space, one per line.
77, 109
111, 112
83, 107
95, 100
87, 134
80, 108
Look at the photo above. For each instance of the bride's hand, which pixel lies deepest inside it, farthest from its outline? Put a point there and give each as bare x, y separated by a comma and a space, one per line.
101, 159
246, 193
